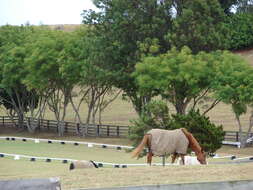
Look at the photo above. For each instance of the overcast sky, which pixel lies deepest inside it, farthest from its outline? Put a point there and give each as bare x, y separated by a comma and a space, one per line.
17, 12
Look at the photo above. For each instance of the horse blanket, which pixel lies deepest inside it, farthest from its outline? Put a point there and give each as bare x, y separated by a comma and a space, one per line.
168, 142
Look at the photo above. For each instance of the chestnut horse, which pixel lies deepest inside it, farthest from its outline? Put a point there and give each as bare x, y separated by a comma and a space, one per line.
191, 143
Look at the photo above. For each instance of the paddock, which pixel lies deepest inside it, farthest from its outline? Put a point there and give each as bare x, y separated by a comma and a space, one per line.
52, 158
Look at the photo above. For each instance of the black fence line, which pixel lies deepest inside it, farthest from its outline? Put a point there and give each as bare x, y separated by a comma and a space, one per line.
234, 135
96, 130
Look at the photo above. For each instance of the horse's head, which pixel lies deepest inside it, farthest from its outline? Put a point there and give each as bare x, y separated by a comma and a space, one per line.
201, 156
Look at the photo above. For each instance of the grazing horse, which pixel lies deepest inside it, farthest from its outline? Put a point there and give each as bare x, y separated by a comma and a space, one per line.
161, 142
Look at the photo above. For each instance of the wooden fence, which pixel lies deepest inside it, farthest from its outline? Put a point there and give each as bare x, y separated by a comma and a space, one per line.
93, 130
234, 136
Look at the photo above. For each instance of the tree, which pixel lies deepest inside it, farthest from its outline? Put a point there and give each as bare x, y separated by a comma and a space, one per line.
79, 69
240, 27
178, 76
200, 26
234, 86
43, 66
120, 27
14, 95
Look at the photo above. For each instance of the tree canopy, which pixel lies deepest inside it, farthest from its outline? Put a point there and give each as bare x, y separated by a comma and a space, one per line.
179, 76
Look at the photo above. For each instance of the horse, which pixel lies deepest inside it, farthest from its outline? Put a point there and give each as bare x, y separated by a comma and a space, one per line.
176, 142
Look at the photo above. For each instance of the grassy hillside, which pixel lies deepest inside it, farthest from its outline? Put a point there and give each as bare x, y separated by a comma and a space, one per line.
65, 27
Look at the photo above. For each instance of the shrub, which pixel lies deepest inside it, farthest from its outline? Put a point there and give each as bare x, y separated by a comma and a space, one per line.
209, 135
156, 115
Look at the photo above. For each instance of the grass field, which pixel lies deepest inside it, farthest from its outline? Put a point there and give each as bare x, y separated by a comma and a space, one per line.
112, 177
108, 176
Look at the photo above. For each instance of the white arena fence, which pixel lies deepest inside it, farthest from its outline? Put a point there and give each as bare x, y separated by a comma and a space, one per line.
90, 145
76, 143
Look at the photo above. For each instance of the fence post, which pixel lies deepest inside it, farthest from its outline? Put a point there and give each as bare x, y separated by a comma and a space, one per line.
66, 126
29, 121
48, 125
3, 122
78, 129
237, 136
117, 131
98, 130
108, 131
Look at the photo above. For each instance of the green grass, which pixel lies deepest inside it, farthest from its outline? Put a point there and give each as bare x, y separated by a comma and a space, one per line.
80, 152
108, 176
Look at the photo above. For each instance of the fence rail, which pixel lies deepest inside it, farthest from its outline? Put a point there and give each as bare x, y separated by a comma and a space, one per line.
93, 130
234, 136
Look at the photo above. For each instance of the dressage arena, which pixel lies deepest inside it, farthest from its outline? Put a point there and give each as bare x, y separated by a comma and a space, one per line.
52, 154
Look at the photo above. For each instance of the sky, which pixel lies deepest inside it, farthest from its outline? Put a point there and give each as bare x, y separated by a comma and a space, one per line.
47, 12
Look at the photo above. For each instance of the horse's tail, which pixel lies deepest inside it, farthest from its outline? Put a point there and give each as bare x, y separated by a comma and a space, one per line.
140, 147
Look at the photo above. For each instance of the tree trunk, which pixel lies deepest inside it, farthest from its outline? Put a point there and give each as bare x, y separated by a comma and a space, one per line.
242, 139
32, 124
180, 107
20, 120
61, 128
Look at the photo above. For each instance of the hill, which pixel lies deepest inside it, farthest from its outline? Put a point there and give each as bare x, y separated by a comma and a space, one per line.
65, 27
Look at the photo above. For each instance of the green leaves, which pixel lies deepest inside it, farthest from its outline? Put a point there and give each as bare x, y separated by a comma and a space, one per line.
240, 28
42, 62
14, 95
234, 82
126, 31
179, 76
200, 26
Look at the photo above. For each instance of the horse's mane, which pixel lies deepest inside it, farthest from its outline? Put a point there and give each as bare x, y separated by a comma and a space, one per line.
193, 143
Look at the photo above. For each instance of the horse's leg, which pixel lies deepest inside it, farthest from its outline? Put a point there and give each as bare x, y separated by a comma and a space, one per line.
150, 154
149, 158
173, 158
182, 158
